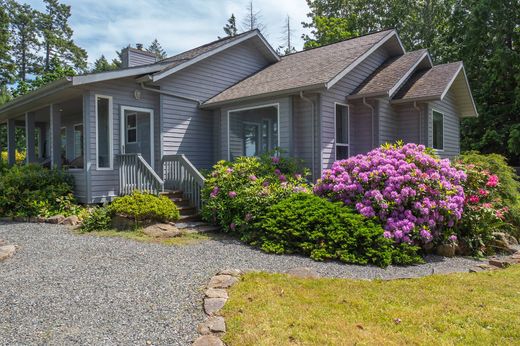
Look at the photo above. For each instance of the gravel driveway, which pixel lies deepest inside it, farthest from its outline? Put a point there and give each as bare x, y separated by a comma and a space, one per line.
61, 288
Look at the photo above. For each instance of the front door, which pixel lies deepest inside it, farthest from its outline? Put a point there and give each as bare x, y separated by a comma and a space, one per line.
137, 132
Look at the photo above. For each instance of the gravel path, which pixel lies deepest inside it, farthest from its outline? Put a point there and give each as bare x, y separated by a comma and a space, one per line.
63, 289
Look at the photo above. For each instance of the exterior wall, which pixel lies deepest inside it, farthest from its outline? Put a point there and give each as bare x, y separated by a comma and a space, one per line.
363, 127
409, 123
338, 93
134, 57
103, 184
388, 125
185, 128
451, 125
302, 127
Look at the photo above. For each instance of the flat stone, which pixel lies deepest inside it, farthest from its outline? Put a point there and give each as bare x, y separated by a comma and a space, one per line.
56, 219
71, 220
208, 340
500, 263
303, 273
476, 269
222, 281
162, 230
216, 324
7, 251
213, 305
182, 225
232, 272
207, 229
216, 293
203, 329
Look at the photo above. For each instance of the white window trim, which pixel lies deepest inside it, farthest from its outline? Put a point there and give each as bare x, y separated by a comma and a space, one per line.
277, 105
110, 133
123, 132
443, 131
336, 144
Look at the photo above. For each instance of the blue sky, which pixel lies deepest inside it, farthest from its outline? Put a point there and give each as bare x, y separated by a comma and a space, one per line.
103, 26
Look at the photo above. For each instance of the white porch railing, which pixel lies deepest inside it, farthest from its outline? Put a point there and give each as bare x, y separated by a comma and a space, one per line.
136, 174
180, 174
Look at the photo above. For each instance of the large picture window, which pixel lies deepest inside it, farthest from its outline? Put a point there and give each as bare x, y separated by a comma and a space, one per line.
342, 132
438, 130
104, 132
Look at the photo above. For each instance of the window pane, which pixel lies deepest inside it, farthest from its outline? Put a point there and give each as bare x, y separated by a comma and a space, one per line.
103, 136
131, 120
341, 152
251, 139
131, 135
341, 124
78, 141
438, 131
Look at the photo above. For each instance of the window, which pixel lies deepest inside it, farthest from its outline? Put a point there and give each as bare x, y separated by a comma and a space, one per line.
251, 140
131, 128
104, 132
63, 139
438, 130
342, 132
78, 141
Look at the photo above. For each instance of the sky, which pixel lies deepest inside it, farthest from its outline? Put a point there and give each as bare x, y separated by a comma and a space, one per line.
104, 26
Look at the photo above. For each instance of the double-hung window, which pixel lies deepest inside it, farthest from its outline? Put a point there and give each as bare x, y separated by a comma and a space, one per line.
342, 132
438, 130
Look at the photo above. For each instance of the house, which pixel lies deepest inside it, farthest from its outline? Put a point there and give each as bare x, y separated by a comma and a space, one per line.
153, 124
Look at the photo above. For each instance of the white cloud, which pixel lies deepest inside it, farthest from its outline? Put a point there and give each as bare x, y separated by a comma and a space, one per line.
104, 26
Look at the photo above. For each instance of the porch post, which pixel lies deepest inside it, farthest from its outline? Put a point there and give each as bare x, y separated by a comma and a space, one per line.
55, 138
29, 137
11, 142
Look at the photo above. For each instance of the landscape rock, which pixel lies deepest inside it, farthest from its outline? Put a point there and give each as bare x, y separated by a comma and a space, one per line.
203, 329
122, 223
7, 251
222, 281
2, 242
303, 273
500, 262
446, 250
162, 230
56, 219
213, 305
208, 340
233, 272
462, 249
214, 324
71, 220
216, 293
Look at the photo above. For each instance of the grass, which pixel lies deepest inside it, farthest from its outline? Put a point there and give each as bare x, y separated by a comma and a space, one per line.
139, 235
456, 309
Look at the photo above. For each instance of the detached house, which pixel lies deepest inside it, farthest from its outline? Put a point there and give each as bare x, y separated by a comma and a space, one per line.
154, 124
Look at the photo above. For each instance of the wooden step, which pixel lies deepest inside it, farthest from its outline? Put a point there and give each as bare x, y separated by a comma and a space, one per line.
172, 193
187, 210
180, 202
192, 217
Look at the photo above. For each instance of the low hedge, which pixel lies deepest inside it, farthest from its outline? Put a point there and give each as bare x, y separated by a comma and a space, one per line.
313, 226
144, 206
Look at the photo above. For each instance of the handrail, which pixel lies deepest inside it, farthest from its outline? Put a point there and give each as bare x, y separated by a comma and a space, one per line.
180, 174
136, 174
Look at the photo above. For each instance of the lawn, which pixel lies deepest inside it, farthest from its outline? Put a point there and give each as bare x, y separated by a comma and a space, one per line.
468, 308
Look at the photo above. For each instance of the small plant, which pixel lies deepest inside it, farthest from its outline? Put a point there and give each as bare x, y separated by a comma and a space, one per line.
310, 225
99, 219
143, 206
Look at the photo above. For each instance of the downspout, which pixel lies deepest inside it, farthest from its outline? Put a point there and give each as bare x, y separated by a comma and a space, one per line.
418, 109
313, 104
144, 87
373, 120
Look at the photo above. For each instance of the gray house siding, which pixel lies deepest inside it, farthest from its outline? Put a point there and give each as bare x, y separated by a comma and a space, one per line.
409, 123
303, 135
185, 128
362, 128
338, 93
388, 126
451, 125
104, 184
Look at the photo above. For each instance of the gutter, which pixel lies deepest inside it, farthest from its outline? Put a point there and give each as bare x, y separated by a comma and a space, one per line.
313, 104
373, 120
144, 87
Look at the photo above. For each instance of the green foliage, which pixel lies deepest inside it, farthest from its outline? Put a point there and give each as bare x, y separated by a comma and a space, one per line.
145, 207
310, 225
35, 191
7, 67
231, 26
237, 193
156, 48
99, 219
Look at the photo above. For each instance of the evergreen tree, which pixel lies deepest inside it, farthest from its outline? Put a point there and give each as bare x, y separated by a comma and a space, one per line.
7, 67
231, 27
57, 37
156, 48
102, 65
253, 19
24, 38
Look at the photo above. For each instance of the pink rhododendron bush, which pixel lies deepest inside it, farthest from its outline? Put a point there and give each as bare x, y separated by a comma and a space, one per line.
416, 196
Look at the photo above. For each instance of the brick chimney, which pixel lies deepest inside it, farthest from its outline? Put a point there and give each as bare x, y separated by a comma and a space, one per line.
136, 56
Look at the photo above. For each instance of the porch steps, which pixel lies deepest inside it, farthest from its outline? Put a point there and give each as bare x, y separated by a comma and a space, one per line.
187, 212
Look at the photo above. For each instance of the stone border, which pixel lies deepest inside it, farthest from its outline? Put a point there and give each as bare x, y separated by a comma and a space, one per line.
72, 220
215, 297
495, 263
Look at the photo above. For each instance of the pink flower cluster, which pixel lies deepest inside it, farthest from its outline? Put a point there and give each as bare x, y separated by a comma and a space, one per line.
415, 195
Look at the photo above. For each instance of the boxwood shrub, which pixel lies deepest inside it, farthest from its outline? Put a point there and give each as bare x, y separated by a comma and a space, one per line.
143, 206
313, 226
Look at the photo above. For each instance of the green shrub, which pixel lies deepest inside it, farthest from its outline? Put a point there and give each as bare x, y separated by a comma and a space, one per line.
237, 193
145, 207
313, 226
32, 190
99, 219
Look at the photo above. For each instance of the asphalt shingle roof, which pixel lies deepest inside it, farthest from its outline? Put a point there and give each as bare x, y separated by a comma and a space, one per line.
429, 83
307, 68
389, 74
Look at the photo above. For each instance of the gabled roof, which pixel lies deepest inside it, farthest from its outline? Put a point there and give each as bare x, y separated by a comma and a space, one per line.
320, 67
434, 84
390, 76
